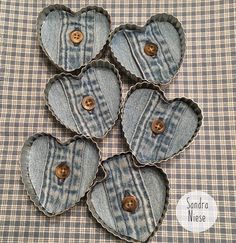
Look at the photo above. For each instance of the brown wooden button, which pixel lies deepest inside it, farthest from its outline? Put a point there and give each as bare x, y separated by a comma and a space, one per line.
158, 126
130, 203
150, 49
62, 171
88, 103
76, 36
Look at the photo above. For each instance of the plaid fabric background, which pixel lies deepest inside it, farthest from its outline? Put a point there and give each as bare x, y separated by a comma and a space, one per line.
207, 76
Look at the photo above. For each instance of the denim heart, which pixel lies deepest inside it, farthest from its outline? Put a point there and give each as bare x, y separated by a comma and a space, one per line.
87, 104
57, 175
69, 39
130, 202
155, 128
153, 52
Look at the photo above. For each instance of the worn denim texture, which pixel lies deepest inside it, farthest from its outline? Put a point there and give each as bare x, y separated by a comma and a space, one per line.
124, 178
128, 47
66, 93
38, 165
55, 38
141, 108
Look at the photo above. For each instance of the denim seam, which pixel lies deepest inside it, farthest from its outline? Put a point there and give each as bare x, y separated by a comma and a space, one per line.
45, 164
59, 51
132, 53
49, 168
109, 204
138, 191
139, 120
162, 49
144, 185
143, 123
144, 61
94, 33
166, 139
107, 103
90, 89
174, 132
166, 47
167, 143
83, 148
68, 102
72, 172
75, 108
113, 183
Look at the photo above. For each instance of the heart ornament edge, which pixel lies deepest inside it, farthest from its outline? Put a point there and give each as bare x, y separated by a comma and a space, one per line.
157, 17
94, 63
100, 180
190, 102
42, 16
28, 186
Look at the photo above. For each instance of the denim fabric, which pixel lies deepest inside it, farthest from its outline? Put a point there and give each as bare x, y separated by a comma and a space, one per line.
128, 47
141, 108
44, 155
123, 178
66, 94
56, 41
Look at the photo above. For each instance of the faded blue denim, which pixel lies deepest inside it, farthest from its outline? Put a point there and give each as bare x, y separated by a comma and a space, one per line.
147, 184
55, 32
127, 45
42, 155
145, 105
65, 93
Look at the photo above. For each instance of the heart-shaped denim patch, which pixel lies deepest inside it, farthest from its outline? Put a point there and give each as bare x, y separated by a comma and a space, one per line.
153, 52
69, 39
87, 104
130, 202
57, 175
155, 128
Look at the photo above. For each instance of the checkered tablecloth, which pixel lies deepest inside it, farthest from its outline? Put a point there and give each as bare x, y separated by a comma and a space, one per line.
207, 76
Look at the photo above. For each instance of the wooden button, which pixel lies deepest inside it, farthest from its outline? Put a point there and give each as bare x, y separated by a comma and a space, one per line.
130, 203
76, 36
150, 49
88, 103
158, 126
62, 171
